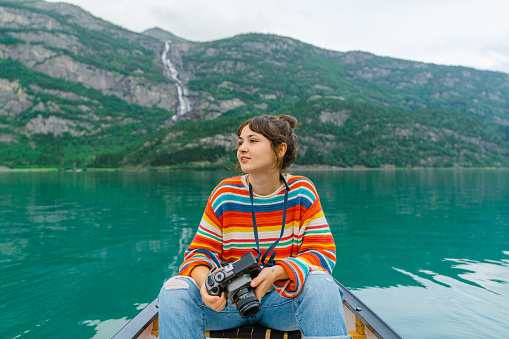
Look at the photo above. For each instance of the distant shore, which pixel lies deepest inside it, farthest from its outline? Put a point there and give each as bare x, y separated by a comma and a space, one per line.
294, 168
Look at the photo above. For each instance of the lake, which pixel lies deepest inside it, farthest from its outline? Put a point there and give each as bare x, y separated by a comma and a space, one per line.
82, 253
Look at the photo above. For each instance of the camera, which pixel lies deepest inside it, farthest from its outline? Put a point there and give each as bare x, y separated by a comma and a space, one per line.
235, 279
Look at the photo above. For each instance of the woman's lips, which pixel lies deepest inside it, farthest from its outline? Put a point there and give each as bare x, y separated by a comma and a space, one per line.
244, 159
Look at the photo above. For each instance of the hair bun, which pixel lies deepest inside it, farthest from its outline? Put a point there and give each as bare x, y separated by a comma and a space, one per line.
292, 122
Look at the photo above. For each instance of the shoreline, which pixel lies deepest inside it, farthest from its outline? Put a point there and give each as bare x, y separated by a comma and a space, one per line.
304, 168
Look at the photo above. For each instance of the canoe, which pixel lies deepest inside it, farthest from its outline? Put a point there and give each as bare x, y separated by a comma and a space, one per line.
361, 323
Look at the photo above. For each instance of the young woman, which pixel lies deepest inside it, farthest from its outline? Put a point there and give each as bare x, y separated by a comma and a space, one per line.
278, 218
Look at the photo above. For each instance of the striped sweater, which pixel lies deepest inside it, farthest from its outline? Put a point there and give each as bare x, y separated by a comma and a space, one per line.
226, 230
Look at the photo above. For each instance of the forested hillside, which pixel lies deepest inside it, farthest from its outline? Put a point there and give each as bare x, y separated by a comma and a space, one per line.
79, 92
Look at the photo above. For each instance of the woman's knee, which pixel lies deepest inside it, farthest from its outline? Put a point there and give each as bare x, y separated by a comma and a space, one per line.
321, 286
179, 282
177, 290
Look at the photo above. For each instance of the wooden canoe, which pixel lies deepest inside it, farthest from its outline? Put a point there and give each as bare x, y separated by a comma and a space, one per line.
361, 323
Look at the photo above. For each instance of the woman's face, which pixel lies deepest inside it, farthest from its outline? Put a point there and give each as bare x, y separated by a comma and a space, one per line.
255, 153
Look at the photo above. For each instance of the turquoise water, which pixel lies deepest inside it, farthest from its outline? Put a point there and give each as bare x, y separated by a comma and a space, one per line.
82, 253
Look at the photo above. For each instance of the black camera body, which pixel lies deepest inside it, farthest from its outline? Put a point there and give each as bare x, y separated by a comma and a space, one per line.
235, 279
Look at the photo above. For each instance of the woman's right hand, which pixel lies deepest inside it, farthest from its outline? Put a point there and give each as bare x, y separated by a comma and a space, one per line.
214, 302
199, 274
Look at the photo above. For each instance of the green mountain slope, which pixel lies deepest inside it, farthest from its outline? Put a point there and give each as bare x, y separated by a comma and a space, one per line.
343, 134
76, 91
253, 67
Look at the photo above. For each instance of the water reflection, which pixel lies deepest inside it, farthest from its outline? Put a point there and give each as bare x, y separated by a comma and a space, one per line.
414, 218
85, 241
81, 252
105, 329
447, 306
491, 275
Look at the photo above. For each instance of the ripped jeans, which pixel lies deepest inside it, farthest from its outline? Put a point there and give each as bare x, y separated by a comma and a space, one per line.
317, 311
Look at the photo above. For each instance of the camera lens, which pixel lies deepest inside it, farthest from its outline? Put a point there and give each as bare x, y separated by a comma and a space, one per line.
247, 303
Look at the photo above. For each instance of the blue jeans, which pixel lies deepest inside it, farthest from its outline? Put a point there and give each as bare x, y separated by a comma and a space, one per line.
317, 311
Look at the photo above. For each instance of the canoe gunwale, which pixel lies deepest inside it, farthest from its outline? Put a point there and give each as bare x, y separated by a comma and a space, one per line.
135, 327
369, 318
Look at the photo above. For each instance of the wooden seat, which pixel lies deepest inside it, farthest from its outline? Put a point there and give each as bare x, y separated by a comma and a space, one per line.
254, 333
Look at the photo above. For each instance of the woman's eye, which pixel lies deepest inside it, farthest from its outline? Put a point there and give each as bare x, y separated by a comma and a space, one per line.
253, 141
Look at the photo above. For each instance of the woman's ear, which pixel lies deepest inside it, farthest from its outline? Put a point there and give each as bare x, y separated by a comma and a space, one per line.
282, 150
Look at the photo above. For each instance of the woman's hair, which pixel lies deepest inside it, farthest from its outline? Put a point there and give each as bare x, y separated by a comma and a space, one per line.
279, 130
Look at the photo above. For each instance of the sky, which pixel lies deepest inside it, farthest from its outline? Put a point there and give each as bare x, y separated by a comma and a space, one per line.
469, 33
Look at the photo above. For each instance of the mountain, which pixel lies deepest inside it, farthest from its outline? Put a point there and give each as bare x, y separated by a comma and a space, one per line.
77, 91
161, 34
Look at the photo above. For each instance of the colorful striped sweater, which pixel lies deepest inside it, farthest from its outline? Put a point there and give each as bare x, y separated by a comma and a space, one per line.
226, 230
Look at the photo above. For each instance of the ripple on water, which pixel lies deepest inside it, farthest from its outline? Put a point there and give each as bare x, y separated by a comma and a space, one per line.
473, 301
106, 328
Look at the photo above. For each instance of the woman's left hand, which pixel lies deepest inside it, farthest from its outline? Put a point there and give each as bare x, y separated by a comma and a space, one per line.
266, 278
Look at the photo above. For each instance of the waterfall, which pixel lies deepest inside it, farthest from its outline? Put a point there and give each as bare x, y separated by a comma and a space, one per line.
184, 106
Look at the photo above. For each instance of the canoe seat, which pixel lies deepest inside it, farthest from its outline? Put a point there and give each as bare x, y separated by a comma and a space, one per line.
254, 333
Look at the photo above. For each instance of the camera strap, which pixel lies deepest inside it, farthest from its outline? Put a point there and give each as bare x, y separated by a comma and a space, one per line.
271, 261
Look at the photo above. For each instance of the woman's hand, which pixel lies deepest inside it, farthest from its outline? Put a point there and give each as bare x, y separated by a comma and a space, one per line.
266, 278
214, 302
199, 274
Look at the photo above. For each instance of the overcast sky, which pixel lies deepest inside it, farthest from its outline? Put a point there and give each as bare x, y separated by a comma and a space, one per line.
470, 33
